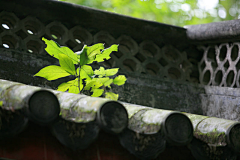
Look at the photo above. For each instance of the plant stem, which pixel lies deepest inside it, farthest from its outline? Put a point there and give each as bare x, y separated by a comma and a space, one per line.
79, 79
104, 88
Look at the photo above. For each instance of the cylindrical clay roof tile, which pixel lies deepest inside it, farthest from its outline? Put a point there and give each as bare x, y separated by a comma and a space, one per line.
176, 127
38, 104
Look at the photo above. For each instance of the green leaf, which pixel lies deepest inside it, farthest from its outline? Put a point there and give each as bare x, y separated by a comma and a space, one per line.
63, 87
106, 53
108, 83
119, 80
74, 89
85, 72
94, 50
88, 54
111, 72
108, 72
71, 86
101, 80
66, 63
100, 72
1, 103
82, 55
111, 95
97, 92
52, 72
54, 49
92, 84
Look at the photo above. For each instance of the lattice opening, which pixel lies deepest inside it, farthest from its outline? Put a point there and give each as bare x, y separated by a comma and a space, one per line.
140, 57
124, 48
8, 20
129, 65
118, 54
171, 54
238, 65
226, 65
152, 68
163, 62
234, 53
34, 46
223, 53
127, 45
230, 79
82, 36
214, 65
184, 65
8, 41
211, 54
109, 63
5, 26
203, 65
149, 50
32, 27
104, 37
57, 32
71, 44
218, 77
174, 73
206, 77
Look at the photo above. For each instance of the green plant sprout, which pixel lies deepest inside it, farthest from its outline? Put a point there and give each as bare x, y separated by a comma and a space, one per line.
86, 79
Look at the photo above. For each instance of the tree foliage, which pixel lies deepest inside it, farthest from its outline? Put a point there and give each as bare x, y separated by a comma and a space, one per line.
175, 12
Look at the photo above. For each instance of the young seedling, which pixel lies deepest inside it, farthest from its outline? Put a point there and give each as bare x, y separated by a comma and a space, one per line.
85, 78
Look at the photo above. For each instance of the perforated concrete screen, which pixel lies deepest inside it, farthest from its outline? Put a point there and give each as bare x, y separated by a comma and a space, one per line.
220, 65
145, 57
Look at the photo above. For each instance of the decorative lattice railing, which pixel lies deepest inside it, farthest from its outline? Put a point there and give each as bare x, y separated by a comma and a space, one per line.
145, 57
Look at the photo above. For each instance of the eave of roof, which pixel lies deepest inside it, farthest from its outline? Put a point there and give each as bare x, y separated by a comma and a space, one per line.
143, 131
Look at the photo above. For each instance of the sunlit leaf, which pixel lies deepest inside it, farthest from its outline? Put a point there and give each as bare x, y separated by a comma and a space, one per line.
101, 80
1, 103
88, 54
111, 95
108, 83
63, 87
119, 80
97, 92
92, 51
53, 49
111, 72
85, 72
52, 72
106, 53
66, 63
93, 84
73, 89
83, 57
101, 72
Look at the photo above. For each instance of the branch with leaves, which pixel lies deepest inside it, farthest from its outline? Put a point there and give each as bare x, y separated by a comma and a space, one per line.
86, 79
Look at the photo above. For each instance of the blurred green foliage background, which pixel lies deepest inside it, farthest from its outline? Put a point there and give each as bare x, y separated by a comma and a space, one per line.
175, 12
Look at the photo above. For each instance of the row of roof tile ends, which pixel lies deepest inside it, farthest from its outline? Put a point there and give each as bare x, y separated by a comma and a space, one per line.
143, 131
